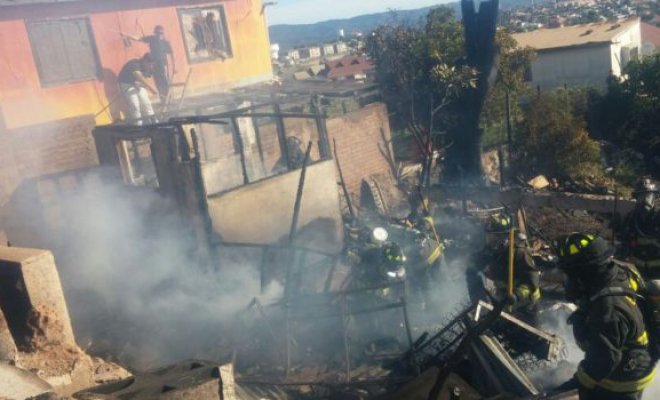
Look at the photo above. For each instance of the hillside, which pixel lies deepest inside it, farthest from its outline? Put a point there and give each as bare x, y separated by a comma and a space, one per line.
288, 36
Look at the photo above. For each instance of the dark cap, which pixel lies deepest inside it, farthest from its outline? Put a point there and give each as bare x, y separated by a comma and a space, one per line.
159, 29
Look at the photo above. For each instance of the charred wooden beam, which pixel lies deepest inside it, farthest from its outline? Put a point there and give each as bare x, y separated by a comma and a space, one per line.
515, 198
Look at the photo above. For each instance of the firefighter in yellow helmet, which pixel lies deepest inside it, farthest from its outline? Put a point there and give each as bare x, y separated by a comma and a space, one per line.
608, 324
377, 260
641, 230
492, 262
427, 256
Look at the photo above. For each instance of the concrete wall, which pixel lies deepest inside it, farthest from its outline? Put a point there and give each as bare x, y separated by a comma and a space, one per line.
580, 66
585, 65
262, 212
34, 275
632, 38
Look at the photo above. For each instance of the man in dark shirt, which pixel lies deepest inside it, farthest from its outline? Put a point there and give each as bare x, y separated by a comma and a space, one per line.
133, 83
160, 49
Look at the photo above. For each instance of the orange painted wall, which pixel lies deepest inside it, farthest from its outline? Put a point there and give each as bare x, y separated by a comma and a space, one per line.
24, 102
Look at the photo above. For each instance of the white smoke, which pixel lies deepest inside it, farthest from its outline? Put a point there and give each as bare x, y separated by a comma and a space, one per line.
135, 287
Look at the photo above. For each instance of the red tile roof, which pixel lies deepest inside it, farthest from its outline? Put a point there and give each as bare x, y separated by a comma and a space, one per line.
348, 66
651, 34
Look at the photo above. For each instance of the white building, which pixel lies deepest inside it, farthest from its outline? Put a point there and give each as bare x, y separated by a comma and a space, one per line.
581, 55
274, 51
293, 55
341, 48
310, 53
328, 50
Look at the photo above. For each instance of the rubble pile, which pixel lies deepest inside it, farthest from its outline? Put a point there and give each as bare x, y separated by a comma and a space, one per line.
38, 350
327, 336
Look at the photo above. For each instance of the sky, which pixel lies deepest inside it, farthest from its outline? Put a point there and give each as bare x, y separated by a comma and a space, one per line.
311, 11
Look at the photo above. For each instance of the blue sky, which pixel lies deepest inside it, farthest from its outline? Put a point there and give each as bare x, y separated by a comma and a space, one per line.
310, 11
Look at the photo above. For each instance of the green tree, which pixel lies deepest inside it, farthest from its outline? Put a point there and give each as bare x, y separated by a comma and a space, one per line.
554, 139
513, 65
420, 72
423, 75
628, 115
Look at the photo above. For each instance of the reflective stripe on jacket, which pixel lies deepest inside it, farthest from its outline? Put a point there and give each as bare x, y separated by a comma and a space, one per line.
614, 385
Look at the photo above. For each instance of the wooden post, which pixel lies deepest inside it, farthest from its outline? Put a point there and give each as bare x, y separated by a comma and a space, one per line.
344, 325
239, 142
292, 234
512, 238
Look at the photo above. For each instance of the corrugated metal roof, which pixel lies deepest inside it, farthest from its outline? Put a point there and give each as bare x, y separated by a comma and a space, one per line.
576, 35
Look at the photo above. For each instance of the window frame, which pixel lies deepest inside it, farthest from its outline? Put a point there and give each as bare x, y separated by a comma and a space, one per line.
225, 27
37, 63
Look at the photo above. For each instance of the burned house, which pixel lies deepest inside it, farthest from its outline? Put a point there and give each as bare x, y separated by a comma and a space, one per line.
48, 113
60, 76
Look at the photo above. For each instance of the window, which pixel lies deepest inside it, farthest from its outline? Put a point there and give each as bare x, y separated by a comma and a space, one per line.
63, 50
628, 54
205, 33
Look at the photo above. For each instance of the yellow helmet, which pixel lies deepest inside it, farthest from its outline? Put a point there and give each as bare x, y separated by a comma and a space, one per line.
583, 249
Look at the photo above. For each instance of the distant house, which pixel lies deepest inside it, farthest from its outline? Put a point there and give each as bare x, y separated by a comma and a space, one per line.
581, 55
349, 68
301, 75
310, 53
316, 69
328, 50
341, 48
274, 51
650, 39
293, 54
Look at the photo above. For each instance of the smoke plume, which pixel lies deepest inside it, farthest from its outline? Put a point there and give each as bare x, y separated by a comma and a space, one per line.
134, 285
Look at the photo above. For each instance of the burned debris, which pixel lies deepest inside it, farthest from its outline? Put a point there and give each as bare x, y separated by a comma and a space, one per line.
266, 243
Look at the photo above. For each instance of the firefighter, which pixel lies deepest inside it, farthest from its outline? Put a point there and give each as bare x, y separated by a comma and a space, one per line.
492, 262
608, 324
641, 231
641, 238
421, 225
377, 261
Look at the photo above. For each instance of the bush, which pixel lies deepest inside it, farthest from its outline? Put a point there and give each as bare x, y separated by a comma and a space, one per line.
554, 140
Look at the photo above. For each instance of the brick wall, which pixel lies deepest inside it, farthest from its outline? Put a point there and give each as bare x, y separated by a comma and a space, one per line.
358, 135
44, 149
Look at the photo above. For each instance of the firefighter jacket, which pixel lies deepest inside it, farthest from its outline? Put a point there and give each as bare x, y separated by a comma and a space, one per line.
609, 327
526, 277
368, 262
641, 235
